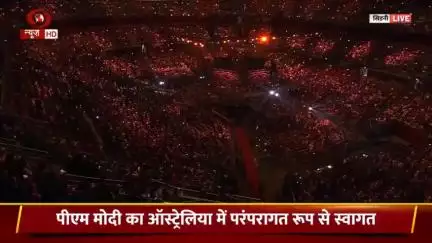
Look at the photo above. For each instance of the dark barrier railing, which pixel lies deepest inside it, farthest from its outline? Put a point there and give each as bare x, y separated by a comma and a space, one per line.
184, 193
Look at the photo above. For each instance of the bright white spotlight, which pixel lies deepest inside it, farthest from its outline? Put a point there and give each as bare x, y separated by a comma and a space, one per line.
161, 83
310, 108
272, 92
329, 166
276, 94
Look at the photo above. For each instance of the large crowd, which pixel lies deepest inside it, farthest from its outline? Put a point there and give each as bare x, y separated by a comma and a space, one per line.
138, 112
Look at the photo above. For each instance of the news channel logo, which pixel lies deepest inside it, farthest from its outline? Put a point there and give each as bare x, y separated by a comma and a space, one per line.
39, 18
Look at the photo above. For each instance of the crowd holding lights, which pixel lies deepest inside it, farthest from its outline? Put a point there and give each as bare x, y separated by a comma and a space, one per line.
402, 57
93, 113
360, 51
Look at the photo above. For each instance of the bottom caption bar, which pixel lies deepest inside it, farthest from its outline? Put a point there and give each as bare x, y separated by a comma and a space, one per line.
216, 218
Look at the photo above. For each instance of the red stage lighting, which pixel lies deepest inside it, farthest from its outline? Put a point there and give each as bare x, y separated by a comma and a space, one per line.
264, 39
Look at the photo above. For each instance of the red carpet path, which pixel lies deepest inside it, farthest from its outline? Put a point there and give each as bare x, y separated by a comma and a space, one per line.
243, 143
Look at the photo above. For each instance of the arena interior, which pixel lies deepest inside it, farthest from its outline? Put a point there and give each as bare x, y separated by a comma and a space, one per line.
217, 101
